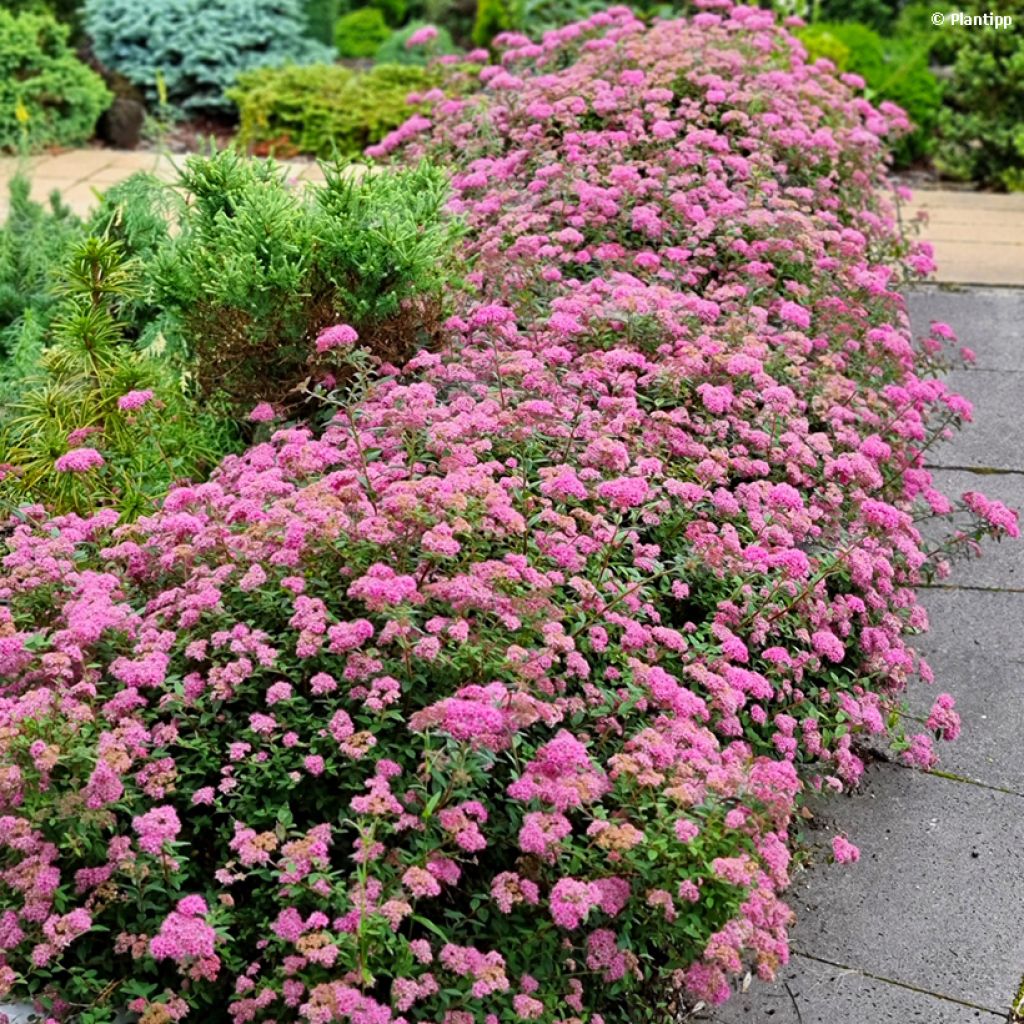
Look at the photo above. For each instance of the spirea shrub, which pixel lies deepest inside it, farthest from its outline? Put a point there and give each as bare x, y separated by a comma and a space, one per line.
197, 48
494, 700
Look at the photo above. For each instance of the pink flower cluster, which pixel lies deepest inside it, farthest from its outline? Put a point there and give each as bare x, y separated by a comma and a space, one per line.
134, 400
421, 37
79, 460
338, 336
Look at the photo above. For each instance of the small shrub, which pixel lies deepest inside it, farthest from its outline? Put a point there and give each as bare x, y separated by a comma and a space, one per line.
395, 49
35, 246
981, 129
197, 47
48, 97
33, 242
258, 270
138, 214
324, 109
360, 32
74, 406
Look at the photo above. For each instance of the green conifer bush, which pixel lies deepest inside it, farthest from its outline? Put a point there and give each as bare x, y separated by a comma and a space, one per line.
48, 97
198, 47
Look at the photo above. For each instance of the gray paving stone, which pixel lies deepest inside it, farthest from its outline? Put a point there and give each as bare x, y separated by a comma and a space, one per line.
808, 992
934, 902
1002, 563
991, 321
995, 438
976, 648
988, 320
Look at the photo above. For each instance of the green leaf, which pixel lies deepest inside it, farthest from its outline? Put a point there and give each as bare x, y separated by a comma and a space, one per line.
425, 922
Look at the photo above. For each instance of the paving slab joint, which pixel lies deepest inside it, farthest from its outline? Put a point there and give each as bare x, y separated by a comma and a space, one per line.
970, 586
796, 1005
906, 985
879, 756
976, 470
965, 780
956, 287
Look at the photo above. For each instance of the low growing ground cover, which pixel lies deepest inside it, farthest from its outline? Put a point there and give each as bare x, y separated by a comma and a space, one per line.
494, 700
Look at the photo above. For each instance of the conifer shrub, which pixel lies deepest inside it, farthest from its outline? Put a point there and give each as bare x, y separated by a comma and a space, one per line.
197, 48
92, 390
495, 698
36, 248
33, 242
360, 32
258, 269
48, 97
325, 110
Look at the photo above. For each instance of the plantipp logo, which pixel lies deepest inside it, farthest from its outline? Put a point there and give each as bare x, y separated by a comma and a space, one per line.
962, 20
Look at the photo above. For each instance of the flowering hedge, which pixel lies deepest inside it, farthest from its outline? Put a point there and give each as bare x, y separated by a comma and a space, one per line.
494, 701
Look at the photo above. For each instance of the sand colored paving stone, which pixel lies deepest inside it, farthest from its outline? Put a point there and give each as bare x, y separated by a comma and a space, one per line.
78, 175
978, 236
